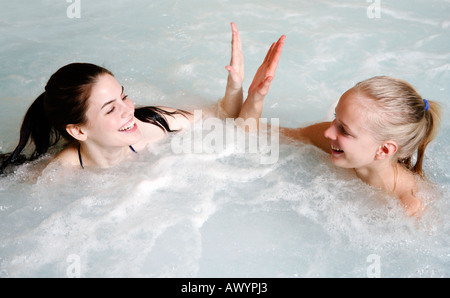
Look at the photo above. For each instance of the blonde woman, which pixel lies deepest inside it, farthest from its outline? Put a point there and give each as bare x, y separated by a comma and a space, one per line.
379, 125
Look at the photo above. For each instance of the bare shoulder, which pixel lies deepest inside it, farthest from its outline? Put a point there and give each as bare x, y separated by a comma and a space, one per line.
411, 203
68, 157
406, 192
178, 121
152, 133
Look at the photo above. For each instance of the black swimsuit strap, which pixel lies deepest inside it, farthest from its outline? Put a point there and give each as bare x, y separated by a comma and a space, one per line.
81, 160
79, 156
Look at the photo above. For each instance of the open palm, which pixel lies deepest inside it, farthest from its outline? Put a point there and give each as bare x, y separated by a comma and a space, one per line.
266, 72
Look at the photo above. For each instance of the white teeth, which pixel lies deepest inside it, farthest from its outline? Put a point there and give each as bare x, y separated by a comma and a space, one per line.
336, 149
128, 127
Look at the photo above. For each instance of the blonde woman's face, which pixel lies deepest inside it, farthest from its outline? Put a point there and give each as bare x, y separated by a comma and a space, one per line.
352, 144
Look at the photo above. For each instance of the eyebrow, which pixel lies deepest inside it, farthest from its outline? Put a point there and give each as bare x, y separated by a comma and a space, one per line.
111, 101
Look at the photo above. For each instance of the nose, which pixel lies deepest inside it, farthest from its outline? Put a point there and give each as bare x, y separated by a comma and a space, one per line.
127, 108
331, 132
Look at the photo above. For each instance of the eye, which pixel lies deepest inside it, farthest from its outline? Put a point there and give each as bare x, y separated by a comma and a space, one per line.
343, 131
125, 97
111, 110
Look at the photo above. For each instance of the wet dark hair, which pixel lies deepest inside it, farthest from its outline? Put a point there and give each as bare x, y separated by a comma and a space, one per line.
65, 102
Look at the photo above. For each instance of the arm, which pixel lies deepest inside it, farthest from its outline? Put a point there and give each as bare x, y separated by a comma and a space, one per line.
252, 107
312, 134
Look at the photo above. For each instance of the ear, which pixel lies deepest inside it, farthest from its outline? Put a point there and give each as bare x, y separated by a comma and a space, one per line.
387, 149
76, 132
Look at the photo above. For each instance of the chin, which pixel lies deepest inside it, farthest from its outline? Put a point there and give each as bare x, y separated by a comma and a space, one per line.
136, 139
133, 138
340, 163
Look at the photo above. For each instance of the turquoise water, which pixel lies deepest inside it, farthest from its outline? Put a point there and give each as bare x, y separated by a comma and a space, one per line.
222, 214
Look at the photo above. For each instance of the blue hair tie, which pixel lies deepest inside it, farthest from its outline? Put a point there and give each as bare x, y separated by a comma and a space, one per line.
427, 105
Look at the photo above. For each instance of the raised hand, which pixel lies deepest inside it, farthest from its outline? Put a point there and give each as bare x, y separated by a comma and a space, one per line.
236, 67
232, 101
252, 107
263, 78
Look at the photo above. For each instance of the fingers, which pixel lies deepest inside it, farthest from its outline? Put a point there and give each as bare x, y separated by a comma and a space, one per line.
269, 53
266, 72
273, 55
237, 58
235, 38
236, 67
276, 49
236, 45
277, 52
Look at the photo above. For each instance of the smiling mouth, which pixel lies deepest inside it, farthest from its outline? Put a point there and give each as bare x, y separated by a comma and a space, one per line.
128, 126
336, 149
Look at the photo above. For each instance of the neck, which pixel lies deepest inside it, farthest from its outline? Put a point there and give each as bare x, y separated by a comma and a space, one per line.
383, 175
94, 156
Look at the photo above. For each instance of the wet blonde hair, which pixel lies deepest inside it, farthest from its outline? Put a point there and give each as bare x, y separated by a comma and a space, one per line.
399, 114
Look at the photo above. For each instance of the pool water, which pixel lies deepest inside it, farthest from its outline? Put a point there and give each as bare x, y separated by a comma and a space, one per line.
224, 213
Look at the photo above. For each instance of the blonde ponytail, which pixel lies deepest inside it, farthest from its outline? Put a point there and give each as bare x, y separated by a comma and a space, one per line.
433, 119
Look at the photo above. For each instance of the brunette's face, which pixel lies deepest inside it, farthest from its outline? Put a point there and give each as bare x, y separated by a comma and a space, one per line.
352, 144
110, 115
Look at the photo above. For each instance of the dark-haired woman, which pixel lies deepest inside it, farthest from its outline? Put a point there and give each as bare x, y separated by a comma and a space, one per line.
88, 108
